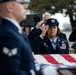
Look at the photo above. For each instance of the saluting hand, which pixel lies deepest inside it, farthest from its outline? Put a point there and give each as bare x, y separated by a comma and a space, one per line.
39, 24
44, 28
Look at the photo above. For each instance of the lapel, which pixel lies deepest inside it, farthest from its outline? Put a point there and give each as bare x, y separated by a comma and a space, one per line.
58, 44
25, 36
48, 43
9, 25
6, 24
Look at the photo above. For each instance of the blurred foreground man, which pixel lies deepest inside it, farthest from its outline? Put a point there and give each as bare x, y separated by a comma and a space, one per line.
15, 53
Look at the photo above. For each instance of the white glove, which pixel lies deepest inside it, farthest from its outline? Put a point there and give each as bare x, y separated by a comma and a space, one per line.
49, 71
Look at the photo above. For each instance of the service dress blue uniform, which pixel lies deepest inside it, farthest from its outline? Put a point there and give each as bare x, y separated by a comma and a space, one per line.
15, 53
44, 46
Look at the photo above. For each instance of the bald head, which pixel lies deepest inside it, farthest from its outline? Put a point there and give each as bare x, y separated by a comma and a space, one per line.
6, 8
14, 10
2, 8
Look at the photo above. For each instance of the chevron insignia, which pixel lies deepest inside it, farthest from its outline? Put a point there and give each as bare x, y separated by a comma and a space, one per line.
9, 52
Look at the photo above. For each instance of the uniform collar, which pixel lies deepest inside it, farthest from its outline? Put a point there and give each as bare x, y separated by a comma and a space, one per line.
14, 23
54, 39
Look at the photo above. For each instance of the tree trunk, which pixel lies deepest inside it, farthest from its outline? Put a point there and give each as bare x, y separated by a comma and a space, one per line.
73, 22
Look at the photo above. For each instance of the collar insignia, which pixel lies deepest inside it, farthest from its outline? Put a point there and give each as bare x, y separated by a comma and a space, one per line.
45, 45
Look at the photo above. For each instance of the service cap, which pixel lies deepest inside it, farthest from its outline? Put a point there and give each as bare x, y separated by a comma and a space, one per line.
52, 22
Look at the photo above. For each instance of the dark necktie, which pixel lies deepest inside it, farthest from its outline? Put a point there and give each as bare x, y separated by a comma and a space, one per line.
54, 45
53, 42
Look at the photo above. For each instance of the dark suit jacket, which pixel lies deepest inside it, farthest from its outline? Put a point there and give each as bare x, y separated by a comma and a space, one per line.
15, 53
74, 46
44, 46
72, 36
36, 32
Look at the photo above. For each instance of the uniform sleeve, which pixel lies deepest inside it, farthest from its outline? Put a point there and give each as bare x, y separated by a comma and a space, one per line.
16, 57
33, 34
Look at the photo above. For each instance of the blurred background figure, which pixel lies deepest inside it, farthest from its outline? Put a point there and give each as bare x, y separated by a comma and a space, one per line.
72, 38
27, 30
74, 47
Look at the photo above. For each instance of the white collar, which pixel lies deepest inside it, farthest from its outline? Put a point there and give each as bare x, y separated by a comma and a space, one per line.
53, 40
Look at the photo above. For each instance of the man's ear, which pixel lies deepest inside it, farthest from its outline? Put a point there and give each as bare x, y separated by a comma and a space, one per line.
9, 7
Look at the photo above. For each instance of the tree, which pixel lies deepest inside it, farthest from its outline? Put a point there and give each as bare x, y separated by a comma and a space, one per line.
54, 6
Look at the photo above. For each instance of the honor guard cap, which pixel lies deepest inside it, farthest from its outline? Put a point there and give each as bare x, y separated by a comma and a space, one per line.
52, 22
26, 1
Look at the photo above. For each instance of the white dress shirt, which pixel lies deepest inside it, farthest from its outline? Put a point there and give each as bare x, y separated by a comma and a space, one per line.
54, 42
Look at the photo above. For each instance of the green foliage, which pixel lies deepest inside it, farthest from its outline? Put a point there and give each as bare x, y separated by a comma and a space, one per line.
46, 5
54, 6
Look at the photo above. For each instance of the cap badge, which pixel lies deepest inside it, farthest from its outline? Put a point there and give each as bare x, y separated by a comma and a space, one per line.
53, 21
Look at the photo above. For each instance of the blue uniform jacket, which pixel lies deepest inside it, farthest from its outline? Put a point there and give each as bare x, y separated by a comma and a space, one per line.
15, 53
36, 32
44, 46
